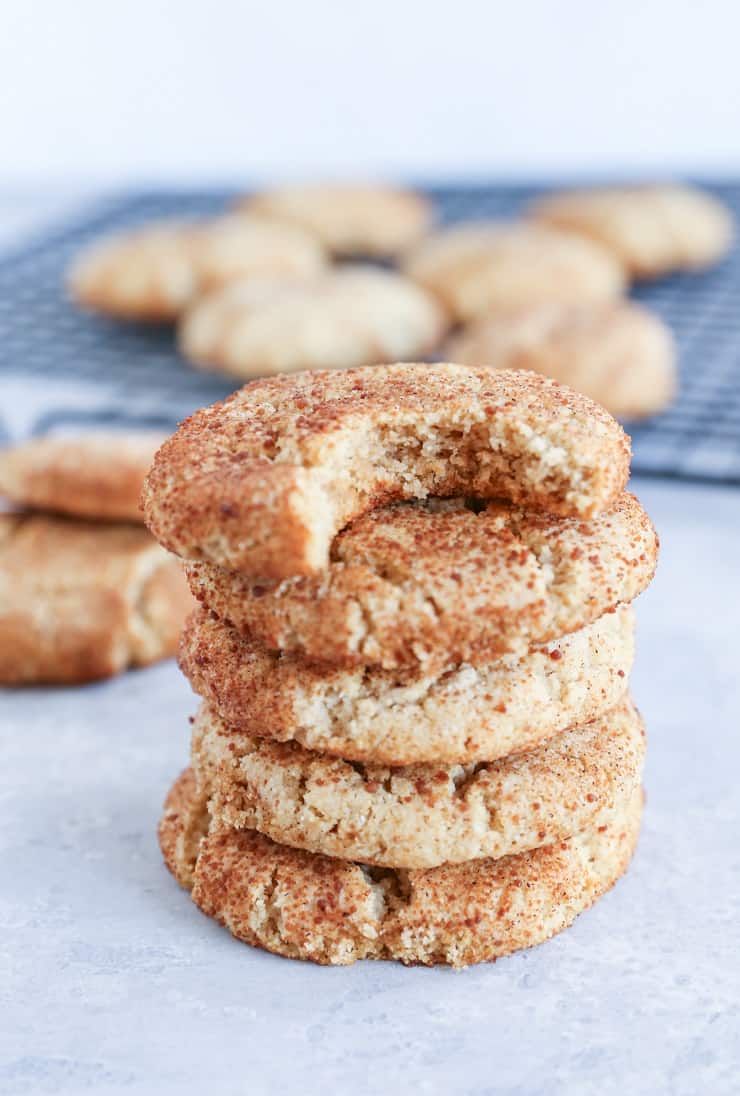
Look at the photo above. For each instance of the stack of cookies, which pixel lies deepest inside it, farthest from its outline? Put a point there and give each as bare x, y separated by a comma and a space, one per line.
416, 739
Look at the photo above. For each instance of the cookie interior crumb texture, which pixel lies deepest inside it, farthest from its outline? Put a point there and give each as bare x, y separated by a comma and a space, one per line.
264, 481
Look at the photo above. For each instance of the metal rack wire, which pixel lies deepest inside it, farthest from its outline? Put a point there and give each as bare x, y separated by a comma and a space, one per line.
87, 370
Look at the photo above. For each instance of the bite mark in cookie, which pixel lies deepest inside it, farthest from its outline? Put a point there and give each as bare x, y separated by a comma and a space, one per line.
264, 481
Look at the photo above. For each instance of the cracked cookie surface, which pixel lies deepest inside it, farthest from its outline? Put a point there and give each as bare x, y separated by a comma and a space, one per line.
264, 481
306, 906
423, 584
348, 218
419, 816
458, 714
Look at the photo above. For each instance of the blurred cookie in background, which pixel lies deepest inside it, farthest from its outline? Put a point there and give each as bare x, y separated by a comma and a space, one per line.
351, 316
619, 354
350, 219
653, 230
154, 272
96, 475
481, 267
81, 601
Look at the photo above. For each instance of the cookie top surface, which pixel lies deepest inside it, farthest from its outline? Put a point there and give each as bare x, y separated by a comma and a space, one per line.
429, 583
619, 354
46, 553
419, 816
478, 268
307, 906
350, 219
347, 317
96, 475
264, 481
82, 600
457, 714
651, 229
156, 271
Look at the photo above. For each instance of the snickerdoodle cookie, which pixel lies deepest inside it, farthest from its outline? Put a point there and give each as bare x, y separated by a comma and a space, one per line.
82, 600
96, 475
419, 816
348, 218
154, 272
460, 713
264, 481
619, 354
424, 583
652, 230
479, 268
307, 906
347, 317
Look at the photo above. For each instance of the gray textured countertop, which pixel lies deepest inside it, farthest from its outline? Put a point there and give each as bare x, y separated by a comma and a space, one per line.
113, 982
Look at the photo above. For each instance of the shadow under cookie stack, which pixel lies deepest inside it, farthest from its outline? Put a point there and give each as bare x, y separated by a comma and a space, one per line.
416, 739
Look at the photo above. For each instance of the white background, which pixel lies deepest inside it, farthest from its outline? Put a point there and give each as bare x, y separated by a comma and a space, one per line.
211, 90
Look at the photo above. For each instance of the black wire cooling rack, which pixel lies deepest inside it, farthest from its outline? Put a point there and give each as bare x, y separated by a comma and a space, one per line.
62, 369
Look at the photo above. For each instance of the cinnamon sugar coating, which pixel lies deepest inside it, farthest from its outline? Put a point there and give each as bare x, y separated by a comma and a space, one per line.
460, 713
96, 475
619, 354
264, 481
419, 816
82, 600
306, 906
429, 583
